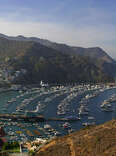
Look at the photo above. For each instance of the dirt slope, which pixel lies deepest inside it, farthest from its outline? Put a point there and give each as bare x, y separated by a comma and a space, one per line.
91, 141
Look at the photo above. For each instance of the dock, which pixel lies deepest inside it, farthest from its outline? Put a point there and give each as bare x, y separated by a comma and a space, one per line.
40, 118
12, 117
62, 119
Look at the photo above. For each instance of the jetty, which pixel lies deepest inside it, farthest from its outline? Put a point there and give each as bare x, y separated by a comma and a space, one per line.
40, 118
12, 117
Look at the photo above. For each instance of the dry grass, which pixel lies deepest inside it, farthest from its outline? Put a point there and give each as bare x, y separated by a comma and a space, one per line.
92, 141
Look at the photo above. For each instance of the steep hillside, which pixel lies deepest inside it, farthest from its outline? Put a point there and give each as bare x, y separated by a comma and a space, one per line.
13, 48
50, 65
91, 141
100, 58
94, 52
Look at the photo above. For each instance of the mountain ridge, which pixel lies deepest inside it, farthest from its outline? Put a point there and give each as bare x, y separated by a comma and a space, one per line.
94, 52
53, 66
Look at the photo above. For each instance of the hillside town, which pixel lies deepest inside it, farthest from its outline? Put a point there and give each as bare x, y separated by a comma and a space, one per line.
8, 74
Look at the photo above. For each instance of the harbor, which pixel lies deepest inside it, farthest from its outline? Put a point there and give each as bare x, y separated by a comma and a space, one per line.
27, 113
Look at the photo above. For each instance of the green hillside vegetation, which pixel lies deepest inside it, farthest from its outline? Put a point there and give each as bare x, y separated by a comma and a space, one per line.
61, 69
49, 65
13, 48
11, 147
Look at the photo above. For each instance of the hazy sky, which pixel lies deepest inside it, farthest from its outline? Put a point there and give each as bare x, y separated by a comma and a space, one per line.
85, 23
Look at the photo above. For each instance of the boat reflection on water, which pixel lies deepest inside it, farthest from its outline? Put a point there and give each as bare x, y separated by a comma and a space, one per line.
74, 106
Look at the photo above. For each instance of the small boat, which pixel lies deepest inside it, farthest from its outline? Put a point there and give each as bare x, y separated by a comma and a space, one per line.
66, 125
57, 133
88, 123
107, 109
91, 118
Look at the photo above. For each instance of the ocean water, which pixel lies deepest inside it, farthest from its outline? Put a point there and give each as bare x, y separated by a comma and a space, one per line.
47, 101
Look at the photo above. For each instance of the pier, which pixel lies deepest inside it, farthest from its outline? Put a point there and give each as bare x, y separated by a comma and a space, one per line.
40, 118
12, 117
62, 119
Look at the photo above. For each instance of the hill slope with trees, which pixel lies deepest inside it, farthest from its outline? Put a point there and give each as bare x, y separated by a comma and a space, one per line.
52, 66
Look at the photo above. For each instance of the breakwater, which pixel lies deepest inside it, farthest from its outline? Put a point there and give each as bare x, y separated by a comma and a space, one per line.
40, 118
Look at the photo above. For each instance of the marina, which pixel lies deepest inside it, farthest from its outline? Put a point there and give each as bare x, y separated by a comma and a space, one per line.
49, 111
